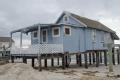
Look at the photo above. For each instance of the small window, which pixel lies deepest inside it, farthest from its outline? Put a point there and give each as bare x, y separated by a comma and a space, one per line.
65, 18
67, 30
56, 32
35, 34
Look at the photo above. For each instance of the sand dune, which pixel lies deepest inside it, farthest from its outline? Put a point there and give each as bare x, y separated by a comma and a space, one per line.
20, 71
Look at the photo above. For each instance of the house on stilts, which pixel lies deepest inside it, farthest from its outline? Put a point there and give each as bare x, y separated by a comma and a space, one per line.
69, 35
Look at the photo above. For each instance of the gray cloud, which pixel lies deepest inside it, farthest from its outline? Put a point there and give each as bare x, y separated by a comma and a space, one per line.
15, 14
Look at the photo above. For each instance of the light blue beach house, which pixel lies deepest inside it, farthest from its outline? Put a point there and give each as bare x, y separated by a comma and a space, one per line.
70, 34
76, 33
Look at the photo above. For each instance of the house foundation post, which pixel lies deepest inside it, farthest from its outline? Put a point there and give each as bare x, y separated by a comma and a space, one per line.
100, 57
24, 60
113, 56
80, 59
86, 62
77, 59
45, 62
67, 61
63, 61
40, 63
118, 57
97, 59
105, 58
52, 61
12, 59
93, 56
90, 58
33, 60
58, 60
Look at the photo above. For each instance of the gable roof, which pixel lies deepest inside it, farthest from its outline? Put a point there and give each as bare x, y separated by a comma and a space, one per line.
91, 23
5, 39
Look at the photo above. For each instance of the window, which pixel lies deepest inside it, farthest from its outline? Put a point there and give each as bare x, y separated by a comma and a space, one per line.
93, 35
67, 30
35, 34
65, 18
56, 32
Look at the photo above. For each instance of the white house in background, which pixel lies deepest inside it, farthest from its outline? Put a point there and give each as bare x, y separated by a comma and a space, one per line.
4, 42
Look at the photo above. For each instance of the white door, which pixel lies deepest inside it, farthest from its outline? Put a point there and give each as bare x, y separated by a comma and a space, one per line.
44, 36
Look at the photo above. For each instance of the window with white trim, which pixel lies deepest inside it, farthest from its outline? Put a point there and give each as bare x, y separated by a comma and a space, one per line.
67, 30
56, 31
35, 34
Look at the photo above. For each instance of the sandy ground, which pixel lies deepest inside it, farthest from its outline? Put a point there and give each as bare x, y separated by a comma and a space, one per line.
21, 71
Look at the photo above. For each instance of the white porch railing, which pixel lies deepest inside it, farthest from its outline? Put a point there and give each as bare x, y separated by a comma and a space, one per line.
39, 48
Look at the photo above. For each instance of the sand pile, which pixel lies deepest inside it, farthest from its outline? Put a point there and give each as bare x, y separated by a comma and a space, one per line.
20, 71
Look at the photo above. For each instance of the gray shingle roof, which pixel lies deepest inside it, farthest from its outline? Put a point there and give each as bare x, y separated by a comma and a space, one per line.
5, 39
92, 23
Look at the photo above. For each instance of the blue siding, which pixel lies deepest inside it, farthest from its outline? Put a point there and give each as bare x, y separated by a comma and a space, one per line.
98, 41
75, 42
70, 21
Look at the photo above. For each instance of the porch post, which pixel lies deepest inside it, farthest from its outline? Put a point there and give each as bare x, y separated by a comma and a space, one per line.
39, 56
10, 44
21, 40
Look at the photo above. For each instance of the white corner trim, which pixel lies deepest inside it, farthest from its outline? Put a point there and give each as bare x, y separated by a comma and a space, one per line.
53, 32
70, 30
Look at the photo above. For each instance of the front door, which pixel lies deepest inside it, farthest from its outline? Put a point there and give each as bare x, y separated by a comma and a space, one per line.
44, 36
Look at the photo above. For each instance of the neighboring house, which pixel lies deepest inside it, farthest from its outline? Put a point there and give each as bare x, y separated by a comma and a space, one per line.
76, 33
4, 42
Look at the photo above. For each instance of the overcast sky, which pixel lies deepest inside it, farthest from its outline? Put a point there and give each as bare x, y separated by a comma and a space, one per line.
15, 14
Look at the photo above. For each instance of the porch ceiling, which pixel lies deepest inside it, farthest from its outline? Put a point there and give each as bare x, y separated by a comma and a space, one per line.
34, 27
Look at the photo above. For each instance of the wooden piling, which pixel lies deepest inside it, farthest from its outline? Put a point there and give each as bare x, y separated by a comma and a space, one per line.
97, 59
58, 61
118, 57
77, 59
100, 57
40, 63
80, 59
24, 60
113, 56
93, 56
66, 60
86, 62
52, 61
33, 62
90, 58
105, 58
45, 62
63, 61
12, 59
